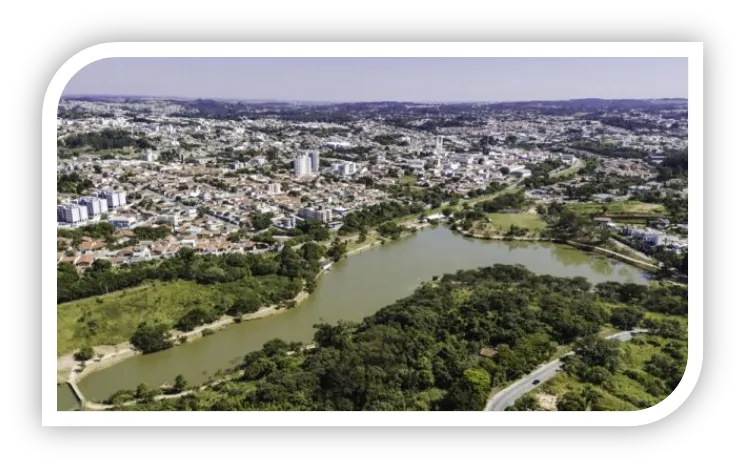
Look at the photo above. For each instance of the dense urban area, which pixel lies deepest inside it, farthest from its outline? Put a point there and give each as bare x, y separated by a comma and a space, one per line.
178, 218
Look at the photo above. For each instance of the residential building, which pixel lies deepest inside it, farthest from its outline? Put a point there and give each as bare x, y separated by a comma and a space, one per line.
72, 213
114, 198
323, 215
302, 166
123, 222
567, 158
149, 156
94, 205
348, 168
315, 162
274, 188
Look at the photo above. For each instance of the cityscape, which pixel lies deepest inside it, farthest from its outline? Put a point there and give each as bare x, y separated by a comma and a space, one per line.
370, 256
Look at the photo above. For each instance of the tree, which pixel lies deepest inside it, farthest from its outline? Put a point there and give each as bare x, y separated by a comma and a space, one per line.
337, 250
141, 391
150, 338
571, 401
85, 353
596, 351
247, 303
527, 402
179, 384
504, 170
626, 318
471, 390
591, 395
100, 265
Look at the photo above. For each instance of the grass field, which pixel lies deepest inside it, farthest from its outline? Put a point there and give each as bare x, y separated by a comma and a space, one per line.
529, 221
618, 208
115, 316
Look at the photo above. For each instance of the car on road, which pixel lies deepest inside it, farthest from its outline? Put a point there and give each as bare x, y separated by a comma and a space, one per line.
536, 382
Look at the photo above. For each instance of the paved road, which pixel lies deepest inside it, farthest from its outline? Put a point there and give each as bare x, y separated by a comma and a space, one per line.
509, 395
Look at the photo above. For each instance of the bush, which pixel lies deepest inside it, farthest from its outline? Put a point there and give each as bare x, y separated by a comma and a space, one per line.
85, 353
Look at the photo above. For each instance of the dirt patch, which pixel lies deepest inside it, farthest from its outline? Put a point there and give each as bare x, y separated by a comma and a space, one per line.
546, 401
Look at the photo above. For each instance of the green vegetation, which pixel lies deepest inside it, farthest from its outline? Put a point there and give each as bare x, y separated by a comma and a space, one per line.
617, 208
73, 183
84, 354
635, 375
113, 318
103, 230
203, 269
375, 215
529, 221
105, 139
422, 352
610, 149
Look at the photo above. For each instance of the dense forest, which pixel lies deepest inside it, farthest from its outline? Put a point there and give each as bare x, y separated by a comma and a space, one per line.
106, 139
423, 352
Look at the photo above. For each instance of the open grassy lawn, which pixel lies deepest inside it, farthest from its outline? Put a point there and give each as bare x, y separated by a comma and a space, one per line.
112, 318
618, 208
529, 221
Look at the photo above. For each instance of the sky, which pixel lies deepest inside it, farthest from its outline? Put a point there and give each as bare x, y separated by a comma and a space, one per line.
386, 79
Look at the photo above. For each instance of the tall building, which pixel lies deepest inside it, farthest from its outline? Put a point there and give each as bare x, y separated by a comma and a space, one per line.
113, 198
274, 188
323, 215
348, 168
302, 165
438, 144
315, 162
94, 205
72, 213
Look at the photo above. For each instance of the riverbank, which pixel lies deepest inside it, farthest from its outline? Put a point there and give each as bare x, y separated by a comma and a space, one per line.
70, 371
606, 252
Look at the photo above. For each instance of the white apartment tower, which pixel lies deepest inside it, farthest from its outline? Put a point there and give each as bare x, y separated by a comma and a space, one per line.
274, 188
348, 168
72, 213
315, 162
113, 198
94, 205
302, 166
438, 144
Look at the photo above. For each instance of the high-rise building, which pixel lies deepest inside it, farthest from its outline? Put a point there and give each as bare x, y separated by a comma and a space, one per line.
113, 198
438, 144
348, 168
302, 165
72, 213
274, 188
315, 162
94, 205
323, 215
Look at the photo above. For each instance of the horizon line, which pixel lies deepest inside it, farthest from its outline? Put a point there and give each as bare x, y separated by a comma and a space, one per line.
154, 96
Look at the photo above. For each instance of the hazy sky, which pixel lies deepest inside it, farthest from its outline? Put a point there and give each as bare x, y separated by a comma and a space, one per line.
393, 79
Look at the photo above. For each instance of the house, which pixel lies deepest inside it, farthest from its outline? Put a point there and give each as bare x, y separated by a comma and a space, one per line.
488, 352
84, 261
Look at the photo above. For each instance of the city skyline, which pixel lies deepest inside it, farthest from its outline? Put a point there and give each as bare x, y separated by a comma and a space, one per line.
427, 80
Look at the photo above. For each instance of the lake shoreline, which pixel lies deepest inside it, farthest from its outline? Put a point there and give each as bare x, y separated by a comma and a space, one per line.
69, 370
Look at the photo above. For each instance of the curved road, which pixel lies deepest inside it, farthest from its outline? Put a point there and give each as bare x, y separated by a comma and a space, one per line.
507, 397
